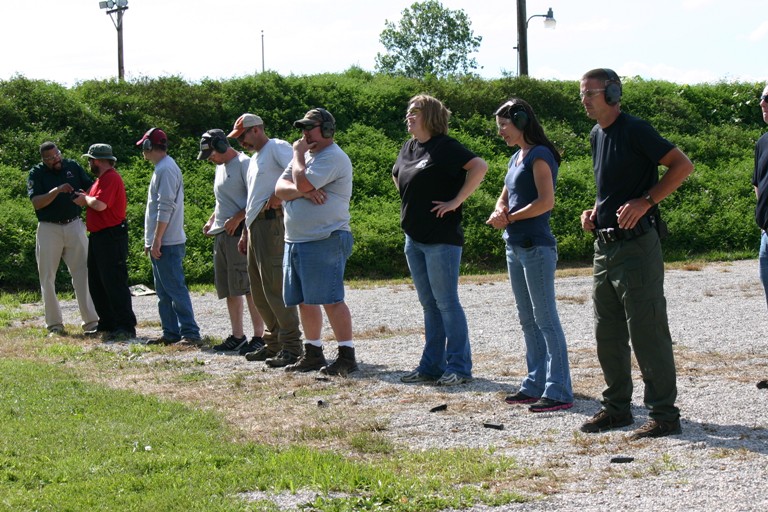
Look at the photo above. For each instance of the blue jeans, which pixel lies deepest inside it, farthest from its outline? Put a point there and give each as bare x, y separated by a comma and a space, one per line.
435, 271
173, 302
763, 259
532, 275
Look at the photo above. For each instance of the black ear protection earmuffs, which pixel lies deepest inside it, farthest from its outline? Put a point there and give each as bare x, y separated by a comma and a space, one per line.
516, 113
328, 126
219, 144
612, 87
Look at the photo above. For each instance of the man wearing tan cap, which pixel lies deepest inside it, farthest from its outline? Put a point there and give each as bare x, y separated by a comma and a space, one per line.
317, 188
262, 241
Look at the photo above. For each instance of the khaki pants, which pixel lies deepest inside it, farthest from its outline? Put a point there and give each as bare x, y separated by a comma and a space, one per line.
55, 242
265, 272
629, 305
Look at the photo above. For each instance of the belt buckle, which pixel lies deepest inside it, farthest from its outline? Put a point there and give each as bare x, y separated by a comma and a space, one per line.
608, 235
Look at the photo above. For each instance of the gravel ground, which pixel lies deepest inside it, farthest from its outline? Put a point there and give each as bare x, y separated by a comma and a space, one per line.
718, 323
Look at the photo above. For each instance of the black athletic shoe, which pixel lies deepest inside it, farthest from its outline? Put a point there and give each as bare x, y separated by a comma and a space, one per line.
231, 344
252, 346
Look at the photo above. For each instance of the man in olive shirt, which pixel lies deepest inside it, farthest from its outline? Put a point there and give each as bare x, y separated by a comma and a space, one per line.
60, 233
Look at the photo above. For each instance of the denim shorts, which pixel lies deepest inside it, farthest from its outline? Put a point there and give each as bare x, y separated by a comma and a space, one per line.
313, 272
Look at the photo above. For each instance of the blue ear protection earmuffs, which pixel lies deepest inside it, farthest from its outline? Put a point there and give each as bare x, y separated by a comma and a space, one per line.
612, 87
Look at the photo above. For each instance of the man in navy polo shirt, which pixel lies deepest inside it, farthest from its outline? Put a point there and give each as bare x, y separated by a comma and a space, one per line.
60, 234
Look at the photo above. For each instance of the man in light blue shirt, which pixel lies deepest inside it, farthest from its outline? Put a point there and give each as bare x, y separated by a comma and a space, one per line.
165, 241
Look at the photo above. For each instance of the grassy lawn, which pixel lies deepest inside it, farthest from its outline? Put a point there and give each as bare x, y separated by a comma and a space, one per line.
69, 443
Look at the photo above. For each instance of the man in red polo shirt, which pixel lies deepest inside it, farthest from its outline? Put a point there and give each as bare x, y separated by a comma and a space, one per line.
108, 245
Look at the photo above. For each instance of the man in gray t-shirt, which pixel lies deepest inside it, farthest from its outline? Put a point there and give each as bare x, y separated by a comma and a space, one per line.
317, 187
230, 267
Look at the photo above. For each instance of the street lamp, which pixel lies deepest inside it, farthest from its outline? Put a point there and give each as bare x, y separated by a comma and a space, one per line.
522, 33
117, 6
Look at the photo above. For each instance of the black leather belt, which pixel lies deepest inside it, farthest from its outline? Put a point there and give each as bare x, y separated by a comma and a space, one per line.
62, 222
270, 214
609, 235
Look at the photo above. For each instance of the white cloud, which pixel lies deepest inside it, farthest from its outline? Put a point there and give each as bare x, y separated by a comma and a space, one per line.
759, 33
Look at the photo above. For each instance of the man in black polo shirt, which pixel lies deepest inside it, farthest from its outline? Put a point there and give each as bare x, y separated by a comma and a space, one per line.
760, 182
60, 233
628, 283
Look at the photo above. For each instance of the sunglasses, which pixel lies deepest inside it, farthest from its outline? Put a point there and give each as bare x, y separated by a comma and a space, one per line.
764, 98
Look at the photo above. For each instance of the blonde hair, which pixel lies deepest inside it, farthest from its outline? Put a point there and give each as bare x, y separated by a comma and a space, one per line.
434, 114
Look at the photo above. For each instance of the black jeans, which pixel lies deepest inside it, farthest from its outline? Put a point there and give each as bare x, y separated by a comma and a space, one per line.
108, 278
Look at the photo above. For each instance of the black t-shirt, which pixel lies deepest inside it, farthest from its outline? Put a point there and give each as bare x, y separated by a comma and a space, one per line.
42, 180
433, 171
760, 180
626, 158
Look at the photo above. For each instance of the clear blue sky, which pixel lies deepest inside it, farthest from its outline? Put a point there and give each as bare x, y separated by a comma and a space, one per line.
685, 41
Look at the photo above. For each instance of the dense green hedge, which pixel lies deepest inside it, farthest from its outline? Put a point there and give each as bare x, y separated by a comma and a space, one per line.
710, 216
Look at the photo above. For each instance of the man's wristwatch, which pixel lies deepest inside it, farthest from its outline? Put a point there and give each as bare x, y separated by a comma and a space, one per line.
649, 199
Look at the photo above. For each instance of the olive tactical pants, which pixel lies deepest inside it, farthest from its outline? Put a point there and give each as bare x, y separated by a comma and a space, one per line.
629, 305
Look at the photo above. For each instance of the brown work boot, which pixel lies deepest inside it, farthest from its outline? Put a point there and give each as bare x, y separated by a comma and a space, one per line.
312, 360
343, 364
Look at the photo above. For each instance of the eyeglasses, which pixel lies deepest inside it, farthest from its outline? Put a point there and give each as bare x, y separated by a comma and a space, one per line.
590, 93
53, 157
413, 111
242, 135
764, 98
307, 128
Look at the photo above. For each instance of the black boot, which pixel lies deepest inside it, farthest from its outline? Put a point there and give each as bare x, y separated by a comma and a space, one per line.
312, 360
343, 364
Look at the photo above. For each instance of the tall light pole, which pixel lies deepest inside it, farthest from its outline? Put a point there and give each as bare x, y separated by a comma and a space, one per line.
262, 51
522, 34
119, 7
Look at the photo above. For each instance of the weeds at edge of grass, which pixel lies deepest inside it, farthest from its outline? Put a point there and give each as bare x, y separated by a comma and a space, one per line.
69, 444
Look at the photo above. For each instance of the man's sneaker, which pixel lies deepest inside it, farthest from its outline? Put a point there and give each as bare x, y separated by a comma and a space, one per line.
603, 421
119, 335
262, 354
415, 377
162, 340
312, 360
548, 405
520, 398
252, 346
191, 340
657, 428
231, 344
283, 358
343, 365
56, 330
453, 379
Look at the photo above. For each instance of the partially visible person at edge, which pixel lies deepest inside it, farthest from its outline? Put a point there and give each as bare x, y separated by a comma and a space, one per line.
105, 204
435, 174
165, 241
60, 234
628, 293
230, 267
760, 182
523, 212
317, 188
263, 240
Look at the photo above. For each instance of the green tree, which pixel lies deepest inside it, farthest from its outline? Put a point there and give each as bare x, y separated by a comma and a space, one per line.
430, 40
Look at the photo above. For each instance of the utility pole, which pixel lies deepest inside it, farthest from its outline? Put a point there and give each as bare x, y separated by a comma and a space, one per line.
119, 7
